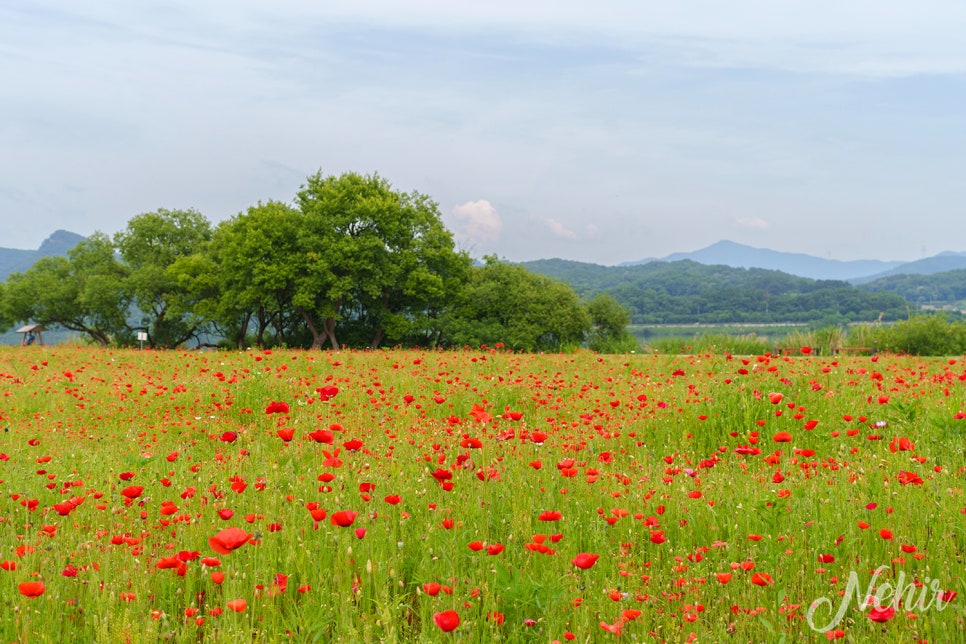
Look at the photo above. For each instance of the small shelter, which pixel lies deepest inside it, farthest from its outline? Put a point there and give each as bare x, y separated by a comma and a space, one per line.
32, 334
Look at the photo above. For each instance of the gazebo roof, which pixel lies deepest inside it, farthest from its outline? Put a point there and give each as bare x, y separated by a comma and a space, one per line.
30, 327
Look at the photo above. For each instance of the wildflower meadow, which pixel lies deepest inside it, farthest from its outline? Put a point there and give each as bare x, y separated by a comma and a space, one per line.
479, 495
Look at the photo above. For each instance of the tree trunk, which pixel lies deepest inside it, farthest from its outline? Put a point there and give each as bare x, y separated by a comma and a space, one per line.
329, 326
242, 331
377, 338
317, 338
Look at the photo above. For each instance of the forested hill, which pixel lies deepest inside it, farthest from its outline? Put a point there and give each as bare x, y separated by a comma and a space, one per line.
946, 289
686, 292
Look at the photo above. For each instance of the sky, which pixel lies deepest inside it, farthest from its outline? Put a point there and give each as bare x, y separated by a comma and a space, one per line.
602, 132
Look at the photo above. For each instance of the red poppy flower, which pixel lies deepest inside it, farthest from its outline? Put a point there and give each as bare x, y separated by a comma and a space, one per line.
447, 620
441, 475
237, 605
909, 478
723, 577
901, 445
881, 614
775, 398
229, 437
585, 560
495, 548
229, 539
393, 499
550, 515
761, 579
613, 628
475, 545
286, 434
64, 508
132, 491
343, 518
277, 408
322, 436
327, 392
32, 588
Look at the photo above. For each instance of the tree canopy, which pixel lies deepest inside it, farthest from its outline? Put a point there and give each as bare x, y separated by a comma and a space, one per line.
351, 260
523, 310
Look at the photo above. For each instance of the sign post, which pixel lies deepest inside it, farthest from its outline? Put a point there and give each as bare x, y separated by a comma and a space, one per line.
142, 338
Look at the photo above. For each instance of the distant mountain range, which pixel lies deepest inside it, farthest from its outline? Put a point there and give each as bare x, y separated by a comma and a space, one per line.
13, 260
736, 255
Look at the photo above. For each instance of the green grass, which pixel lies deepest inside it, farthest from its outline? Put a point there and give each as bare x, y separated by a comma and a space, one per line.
666, 466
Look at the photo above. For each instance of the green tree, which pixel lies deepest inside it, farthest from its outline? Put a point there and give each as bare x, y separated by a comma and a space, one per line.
370, 257
169, 278
82, 292
609, 320
259, 259
525, 311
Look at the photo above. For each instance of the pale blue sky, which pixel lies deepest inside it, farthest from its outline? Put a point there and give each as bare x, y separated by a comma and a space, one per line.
602, 132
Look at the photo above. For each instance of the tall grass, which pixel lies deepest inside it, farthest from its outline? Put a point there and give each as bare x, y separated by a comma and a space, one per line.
722, 494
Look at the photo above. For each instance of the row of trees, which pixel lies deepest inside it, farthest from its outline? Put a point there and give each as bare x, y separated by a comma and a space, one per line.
352, 261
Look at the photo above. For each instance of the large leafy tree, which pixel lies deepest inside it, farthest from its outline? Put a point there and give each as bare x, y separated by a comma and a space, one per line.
169, 274
259, 264
525, 311
83, 292
372, 257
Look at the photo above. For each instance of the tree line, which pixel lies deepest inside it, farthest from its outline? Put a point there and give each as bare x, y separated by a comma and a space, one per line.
351, 261
938, 289
685, 291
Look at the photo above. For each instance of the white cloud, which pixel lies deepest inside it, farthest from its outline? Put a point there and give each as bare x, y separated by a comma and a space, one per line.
592, 230
558, 228
477, 221
752, 223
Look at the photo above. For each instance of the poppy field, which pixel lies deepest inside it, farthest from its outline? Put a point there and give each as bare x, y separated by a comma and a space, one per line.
479, 495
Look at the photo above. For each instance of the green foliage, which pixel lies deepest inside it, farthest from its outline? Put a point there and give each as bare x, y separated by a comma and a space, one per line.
688, 292
925, 335
373, 257
609, 333
258, 255
948, 287
168, 275
525, 311
82, 292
